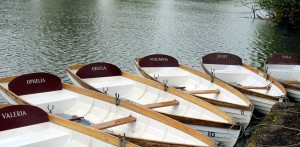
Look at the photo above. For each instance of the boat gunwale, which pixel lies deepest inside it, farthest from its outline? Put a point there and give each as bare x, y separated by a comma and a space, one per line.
89, 131
247, 91
157, 85
216, 81
137, 108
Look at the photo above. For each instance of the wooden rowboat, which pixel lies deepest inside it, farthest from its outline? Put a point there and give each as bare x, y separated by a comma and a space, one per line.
263, 90
25, 125
114, 116
200, 115
164, 68
285, 67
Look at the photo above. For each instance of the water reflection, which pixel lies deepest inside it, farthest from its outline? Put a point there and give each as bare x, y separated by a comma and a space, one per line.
41, 35
272, 39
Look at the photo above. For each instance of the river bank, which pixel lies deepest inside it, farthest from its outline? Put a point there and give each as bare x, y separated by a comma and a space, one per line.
279, 128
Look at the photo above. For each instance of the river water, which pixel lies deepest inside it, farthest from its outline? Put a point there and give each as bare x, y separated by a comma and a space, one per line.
49, 35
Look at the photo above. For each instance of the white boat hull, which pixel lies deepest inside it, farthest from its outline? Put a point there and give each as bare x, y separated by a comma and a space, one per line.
295, 94
47, 135
223, 135
146, 125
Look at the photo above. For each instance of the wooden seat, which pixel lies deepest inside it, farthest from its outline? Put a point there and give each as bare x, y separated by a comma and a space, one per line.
114, 123
203, 92
162, 104
255, 87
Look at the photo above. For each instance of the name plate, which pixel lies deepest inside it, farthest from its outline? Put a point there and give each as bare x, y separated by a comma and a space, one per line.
284, 58
34, 83
16, 116
99, 69
158, 60
222, 58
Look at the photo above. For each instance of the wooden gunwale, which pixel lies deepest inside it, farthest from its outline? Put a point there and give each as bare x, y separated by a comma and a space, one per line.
105, 137
218, 82
183, 95
136, 61
291, 82
193, 121
88, 131
144, 111
270, 78
207, 77
171, 90
247, 91
224, 104
139, 109
290, 86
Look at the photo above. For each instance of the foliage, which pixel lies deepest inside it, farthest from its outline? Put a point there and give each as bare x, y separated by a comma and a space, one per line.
285, 12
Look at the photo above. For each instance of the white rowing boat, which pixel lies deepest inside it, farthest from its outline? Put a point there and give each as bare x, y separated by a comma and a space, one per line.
263, 90
198, 114
285, 67
115, 116
164, 68
30, 126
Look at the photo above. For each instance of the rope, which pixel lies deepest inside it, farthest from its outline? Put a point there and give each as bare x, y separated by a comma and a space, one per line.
258, 118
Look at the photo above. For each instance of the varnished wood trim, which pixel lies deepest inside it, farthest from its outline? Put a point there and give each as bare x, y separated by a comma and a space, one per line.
203, 92
290, 86
250, 92
218, 82
88, 131
66, 123
270, 78
193, 121
4, 105
141, 70
144, 111
133, 107
291, 82
162, 104
113, 123
183, 95
225, 104
152, 143
149, 113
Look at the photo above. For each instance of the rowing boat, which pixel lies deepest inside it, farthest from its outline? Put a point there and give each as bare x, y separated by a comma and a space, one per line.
111, 115
263, 90
285, 67
25, 125
200, 115
164, 68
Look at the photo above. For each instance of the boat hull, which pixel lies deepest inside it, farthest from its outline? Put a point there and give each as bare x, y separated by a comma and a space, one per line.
293, 93
147, 127
243, 116
223, 135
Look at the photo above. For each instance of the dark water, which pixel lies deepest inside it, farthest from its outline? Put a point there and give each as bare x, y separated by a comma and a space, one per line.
49, 35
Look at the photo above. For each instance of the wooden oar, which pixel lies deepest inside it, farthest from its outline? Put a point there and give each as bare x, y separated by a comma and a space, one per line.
203, 92
114, 123
162, 104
